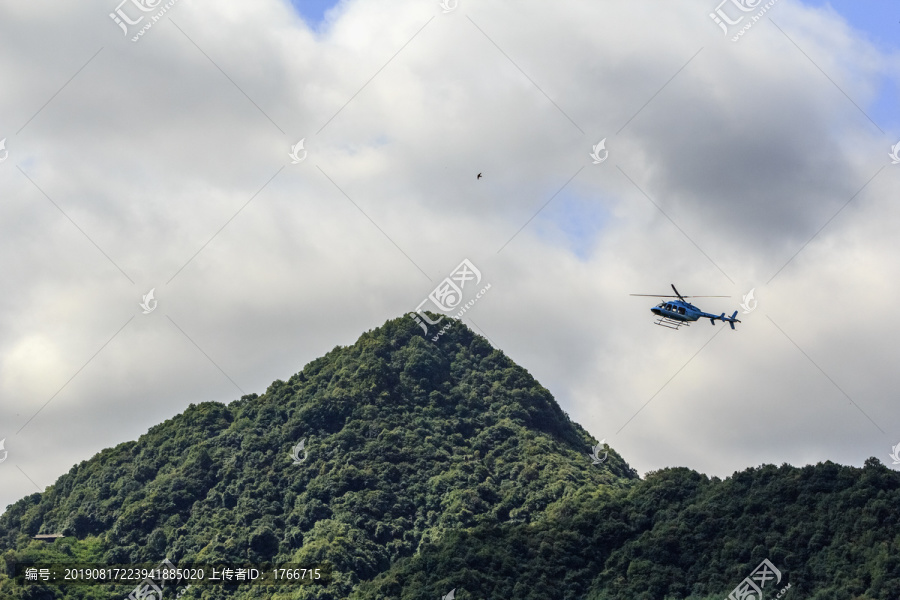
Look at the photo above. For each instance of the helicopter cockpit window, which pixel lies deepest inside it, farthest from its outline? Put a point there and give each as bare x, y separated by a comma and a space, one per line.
681, 310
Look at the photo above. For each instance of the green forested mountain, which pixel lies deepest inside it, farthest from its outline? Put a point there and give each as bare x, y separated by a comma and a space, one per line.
428, 467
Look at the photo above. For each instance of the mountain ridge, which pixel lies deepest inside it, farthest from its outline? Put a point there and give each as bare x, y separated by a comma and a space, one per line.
430, 466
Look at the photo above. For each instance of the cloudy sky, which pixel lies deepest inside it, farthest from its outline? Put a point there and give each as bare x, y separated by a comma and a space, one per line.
732, 162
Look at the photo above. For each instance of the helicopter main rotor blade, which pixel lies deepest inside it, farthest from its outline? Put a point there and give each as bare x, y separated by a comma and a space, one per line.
670, 296
680, 297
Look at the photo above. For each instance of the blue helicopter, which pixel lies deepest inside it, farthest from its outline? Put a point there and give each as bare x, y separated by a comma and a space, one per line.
675, 313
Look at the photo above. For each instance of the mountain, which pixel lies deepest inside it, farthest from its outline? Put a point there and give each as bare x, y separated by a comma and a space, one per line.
433, 466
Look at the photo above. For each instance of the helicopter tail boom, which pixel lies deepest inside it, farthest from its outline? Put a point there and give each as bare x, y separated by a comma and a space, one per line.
730, 320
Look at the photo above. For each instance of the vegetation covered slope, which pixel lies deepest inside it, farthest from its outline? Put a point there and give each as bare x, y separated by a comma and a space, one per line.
434, 466
832, 531
405, 440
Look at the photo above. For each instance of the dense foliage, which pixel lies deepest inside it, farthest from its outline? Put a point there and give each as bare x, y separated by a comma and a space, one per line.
832, 531
432, 466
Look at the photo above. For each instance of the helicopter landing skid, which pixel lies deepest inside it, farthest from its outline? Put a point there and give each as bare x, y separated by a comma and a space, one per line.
670, 323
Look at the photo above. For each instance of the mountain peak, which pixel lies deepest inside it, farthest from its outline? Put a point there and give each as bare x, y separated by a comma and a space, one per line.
404, 438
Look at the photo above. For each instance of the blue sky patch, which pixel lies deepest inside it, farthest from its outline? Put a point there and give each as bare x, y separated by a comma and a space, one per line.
879, 22
313, 11
577, 219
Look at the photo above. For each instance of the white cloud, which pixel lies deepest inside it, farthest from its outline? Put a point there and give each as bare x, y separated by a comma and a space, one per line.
165, 162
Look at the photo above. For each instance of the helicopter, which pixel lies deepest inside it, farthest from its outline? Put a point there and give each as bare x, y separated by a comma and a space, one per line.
675, 313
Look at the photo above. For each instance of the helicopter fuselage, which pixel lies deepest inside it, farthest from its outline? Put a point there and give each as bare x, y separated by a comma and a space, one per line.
678, 310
